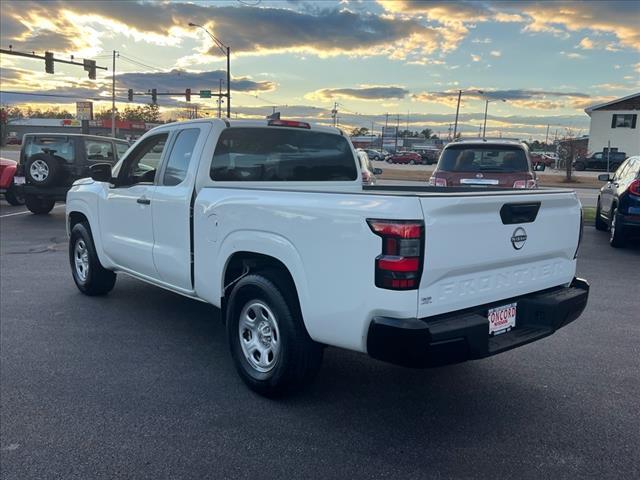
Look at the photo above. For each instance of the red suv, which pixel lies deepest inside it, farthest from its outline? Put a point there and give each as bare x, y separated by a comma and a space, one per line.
411, 158
484, 163
7, 185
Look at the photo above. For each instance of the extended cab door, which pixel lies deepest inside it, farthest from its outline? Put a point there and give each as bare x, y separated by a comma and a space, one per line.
125, 212
172, 205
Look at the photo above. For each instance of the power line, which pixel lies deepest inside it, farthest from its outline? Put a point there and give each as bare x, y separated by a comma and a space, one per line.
59, 95
140, 64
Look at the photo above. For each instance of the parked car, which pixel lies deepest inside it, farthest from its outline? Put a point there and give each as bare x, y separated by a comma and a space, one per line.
429, 156
411, 158
8, 188
376, 154
14, 140
268, 220
368, 171
545, 159
484, 163
598, 161
50, 163
618, 208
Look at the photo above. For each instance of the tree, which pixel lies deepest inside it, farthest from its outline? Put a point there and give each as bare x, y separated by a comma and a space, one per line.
427, 133
29, 112
359, 132
143, 113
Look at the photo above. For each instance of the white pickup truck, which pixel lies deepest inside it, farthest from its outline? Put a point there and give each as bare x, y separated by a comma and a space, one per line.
269, 221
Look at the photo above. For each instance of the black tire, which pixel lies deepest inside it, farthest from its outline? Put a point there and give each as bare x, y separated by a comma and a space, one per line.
92, 278
297, 359
37, 205
580, 166
616, 232
600, 223
49, 171
412, 162
14, 196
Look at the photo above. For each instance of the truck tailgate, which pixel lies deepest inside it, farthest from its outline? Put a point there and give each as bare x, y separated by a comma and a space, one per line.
487, 247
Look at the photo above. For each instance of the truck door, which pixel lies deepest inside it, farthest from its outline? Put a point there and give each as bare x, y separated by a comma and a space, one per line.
172, 206
125, 212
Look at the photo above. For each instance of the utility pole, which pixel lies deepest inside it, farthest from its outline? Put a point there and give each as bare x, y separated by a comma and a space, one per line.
455, 126
407, 124
220, 99
228, 82
397, 128
113, 96
386, 126
546, 138
484, 127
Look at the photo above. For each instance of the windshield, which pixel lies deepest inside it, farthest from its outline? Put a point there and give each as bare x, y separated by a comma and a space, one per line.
483, 158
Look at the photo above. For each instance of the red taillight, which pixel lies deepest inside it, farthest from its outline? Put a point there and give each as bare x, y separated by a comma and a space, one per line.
634, 187
524, 184
399, 266
438, 182
288, 123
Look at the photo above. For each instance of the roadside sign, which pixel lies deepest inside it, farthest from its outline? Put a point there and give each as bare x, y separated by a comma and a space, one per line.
205, 93
84, 110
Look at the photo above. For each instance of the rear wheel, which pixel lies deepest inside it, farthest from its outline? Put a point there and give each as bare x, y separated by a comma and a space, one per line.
600, 223
580, 166
37, 205
90, 276
616, 232
270, 346
412, 162
14, 196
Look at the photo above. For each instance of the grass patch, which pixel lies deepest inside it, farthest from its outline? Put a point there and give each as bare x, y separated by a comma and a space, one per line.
589, 214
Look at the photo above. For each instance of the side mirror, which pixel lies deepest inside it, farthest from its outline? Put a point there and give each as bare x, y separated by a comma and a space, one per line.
604, 177
101, 172
539, 167
377, 171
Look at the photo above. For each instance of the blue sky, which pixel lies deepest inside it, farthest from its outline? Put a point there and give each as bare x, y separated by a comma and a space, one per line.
548, 60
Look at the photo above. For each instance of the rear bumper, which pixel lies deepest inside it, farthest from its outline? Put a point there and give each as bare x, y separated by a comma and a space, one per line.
464, 335
57, 193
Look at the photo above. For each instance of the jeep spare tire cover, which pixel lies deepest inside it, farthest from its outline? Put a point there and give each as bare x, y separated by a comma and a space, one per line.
42, 169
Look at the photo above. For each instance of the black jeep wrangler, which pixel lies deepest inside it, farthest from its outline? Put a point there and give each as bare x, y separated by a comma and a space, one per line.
50, 162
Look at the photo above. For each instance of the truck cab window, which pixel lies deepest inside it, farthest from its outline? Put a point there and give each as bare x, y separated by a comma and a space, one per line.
180, 156
142, 164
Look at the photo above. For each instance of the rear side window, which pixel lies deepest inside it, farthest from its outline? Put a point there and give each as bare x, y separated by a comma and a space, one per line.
180, 157
99, 151
61, 146
276, 154
480, 158
121, 149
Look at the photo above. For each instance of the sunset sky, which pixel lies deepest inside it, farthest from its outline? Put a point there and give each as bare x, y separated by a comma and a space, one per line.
548, 60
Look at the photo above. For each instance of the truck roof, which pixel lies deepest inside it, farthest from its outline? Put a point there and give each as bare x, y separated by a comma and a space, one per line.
255, 123
486, 141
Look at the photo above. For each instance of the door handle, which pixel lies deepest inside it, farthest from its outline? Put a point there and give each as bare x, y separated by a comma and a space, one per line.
143, 201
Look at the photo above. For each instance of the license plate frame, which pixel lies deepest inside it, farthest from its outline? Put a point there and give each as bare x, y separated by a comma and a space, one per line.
502, 319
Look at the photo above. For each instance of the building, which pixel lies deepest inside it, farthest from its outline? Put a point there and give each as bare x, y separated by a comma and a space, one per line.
615, 123
124, 129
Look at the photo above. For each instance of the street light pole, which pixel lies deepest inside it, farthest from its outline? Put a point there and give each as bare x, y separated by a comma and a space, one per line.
225, 51
484, 125
455, 125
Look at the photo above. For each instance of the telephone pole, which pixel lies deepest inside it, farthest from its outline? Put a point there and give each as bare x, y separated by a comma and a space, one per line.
220, 99
455, 125
397, 128
113, 96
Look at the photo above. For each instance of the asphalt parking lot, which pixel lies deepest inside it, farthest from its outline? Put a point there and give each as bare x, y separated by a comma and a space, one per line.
139, 384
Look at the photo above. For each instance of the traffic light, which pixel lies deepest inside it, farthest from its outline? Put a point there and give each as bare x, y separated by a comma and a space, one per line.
48, 62
130, 94
90, 66
154, 96
187, 94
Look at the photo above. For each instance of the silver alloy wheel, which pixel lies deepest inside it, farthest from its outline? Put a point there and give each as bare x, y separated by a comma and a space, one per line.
259, 336
81, 259
613, 225
39, 170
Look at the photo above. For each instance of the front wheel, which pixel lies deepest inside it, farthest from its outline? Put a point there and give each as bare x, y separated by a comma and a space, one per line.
14, 196
412, 162
580, 166
89, 275
39, 206
269, 343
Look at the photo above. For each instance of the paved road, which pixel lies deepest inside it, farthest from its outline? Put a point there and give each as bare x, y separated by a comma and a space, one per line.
139, 384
